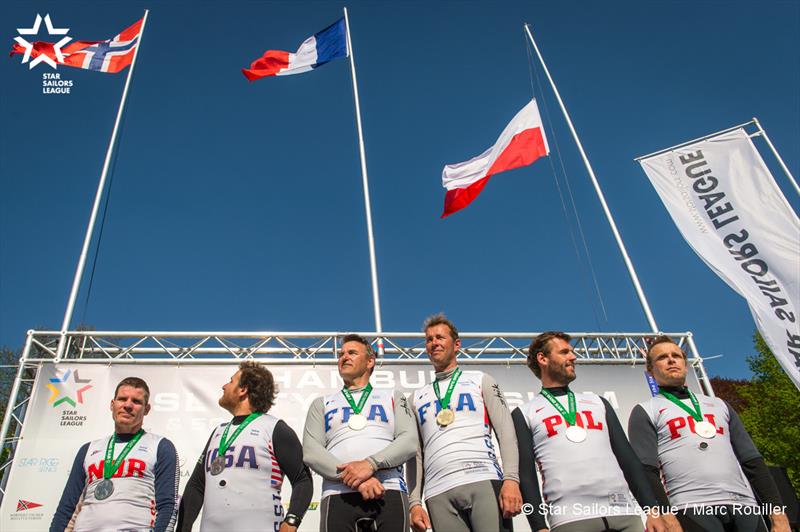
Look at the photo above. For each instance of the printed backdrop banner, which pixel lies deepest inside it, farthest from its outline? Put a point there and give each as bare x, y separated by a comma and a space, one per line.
70, 405
729, 209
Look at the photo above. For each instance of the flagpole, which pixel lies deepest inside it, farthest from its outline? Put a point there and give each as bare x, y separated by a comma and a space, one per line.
76, 282
639, 292
376, 303
777, 156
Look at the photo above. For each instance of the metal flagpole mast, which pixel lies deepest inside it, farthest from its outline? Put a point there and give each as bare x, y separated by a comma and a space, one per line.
777, 156
373, 268
76, 282
642, 299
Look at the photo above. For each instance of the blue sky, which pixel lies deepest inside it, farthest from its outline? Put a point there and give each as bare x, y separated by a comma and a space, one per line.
238, 206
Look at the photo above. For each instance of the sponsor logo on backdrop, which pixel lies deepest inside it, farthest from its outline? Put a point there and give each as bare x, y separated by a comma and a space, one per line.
47, 464
24, 512
69, 391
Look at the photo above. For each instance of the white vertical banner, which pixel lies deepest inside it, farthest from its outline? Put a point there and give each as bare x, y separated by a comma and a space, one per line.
729, 209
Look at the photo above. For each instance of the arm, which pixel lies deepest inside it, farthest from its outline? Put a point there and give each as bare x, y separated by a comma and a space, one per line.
168, 476
756, 470
289, 454
404, 445
503, 426
644, 441
510, 497
72, 492
527, 471
193, 494
628, 461
315, 455
415, 477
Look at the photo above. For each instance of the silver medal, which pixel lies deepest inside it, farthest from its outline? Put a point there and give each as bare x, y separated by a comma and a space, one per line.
576, 434
704, 429
218, 465
104, 490
357, 422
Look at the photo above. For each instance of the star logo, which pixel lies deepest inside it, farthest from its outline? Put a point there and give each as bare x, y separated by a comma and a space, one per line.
80, 386
42, 57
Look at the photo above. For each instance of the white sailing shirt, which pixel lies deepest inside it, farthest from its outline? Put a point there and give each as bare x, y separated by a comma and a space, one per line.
462, 452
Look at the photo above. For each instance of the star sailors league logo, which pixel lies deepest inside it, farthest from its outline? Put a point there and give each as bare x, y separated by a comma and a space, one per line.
79, 387
28, 46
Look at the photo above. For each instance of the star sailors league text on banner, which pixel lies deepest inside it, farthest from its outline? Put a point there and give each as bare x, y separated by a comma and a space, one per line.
729, 209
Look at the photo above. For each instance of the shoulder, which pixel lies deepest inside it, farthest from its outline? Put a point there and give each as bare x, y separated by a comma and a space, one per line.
591, 398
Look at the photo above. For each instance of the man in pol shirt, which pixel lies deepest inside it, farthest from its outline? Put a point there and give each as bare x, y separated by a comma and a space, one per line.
126, 481
456, 465
700, 448
358, 439
237, 479
586, 463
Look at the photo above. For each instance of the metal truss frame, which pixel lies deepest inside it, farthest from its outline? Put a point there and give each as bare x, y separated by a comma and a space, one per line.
303, 348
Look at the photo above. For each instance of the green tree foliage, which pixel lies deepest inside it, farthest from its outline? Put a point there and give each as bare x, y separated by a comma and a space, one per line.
772, 414
730, 391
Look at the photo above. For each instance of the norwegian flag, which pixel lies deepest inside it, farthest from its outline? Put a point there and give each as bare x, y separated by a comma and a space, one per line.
109, 56
23, 505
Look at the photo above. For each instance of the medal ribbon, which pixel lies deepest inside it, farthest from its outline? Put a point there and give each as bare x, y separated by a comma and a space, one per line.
696, 413
569, 417
110, 465
444, 404
223, 443
357, 408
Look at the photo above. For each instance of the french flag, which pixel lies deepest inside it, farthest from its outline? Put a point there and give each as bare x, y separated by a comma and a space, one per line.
324, 46
520, 144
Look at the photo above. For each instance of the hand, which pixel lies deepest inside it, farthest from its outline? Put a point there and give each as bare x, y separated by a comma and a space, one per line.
543, 530
673, 525
780, 523
354, 473
371, 489
655, 524
510, 499
285, 527
420, 521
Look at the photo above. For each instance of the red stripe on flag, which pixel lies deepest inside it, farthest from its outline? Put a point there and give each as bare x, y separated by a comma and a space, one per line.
525, 147
269, 64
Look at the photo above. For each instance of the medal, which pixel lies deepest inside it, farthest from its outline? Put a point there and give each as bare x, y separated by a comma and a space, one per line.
445, 417
576, 434
104, 489
217, 465
704, 429
356, 420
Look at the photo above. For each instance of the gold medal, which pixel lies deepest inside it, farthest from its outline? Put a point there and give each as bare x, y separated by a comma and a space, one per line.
445, 417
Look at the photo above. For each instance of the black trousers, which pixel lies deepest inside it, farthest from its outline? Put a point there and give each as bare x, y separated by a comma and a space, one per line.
349, 512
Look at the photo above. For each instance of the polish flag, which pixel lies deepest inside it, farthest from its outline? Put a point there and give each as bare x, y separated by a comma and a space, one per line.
324, 46
520, 144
